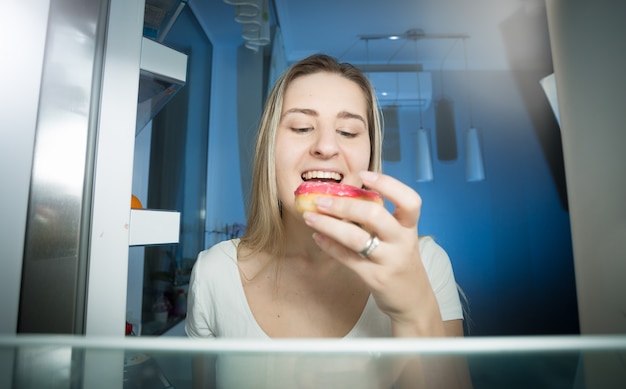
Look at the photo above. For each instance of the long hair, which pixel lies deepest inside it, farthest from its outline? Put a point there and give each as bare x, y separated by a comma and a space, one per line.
264, 230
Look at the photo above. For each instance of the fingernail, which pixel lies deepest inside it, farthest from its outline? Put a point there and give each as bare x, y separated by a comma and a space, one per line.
318, 238
309, 217
323, 202
368, 177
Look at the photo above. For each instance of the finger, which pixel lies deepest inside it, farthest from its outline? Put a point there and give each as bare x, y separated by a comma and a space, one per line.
363, 267
372, 217
407, 202
348, 235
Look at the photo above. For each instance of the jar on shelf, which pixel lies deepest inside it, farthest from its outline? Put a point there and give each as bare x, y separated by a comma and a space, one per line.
161, 308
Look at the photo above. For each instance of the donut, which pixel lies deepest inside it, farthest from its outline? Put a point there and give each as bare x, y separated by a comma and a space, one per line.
309, 190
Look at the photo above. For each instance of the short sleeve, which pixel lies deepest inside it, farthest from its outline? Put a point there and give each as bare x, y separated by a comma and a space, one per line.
198, 310
439, 269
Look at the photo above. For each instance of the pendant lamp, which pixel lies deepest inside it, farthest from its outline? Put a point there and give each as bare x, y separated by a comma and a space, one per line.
424, 164
445, 130
391, 141
474, 166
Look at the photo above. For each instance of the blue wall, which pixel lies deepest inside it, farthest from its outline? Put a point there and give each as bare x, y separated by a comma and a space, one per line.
508, 236
225, 204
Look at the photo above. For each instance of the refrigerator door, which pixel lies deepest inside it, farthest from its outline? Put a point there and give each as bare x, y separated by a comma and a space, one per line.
57, 226
76, 240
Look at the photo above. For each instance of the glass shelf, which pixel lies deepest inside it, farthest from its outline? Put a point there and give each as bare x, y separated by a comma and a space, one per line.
493, 362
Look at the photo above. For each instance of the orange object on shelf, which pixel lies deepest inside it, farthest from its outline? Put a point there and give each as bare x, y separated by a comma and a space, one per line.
135, 203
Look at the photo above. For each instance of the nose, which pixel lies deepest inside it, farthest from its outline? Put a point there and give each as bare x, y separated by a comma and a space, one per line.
325, 144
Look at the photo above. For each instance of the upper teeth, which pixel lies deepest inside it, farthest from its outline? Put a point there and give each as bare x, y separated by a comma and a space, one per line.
321, 175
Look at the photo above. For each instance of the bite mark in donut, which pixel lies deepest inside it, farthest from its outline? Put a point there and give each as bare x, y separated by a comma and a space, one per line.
309, 190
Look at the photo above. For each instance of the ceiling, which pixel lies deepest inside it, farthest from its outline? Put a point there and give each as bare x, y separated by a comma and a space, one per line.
497, 30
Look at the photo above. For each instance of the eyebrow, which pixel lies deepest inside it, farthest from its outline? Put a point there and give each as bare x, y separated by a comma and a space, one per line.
350, 115
312, 112
306, 111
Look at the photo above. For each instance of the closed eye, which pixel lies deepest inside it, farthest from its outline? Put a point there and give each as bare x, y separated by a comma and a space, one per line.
301, 130
347, 134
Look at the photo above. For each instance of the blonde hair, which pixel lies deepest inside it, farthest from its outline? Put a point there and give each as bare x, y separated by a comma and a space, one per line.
264, 230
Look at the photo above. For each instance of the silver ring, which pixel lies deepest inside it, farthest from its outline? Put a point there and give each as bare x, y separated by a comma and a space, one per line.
371, 244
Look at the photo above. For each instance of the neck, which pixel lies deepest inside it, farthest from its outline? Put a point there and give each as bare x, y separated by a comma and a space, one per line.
300, 243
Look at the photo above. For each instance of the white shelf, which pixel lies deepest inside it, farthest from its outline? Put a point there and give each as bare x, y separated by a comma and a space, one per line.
153, 227
163, 61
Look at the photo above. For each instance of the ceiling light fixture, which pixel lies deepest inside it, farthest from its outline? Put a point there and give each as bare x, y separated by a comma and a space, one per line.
413, 34
254, 17
379, 74
395, 84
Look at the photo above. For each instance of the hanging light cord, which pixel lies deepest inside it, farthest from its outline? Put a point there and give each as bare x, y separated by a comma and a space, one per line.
389, 61
348, 50
443, 62
468, 87
419, 86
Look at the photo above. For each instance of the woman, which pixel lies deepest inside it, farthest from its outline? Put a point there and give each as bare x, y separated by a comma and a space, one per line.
306, 275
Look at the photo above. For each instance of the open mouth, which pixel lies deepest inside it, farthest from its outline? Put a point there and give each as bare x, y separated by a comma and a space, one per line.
322, 176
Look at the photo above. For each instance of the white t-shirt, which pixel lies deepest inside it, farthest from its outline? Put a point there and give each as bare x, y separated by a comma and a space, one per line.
217, 307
